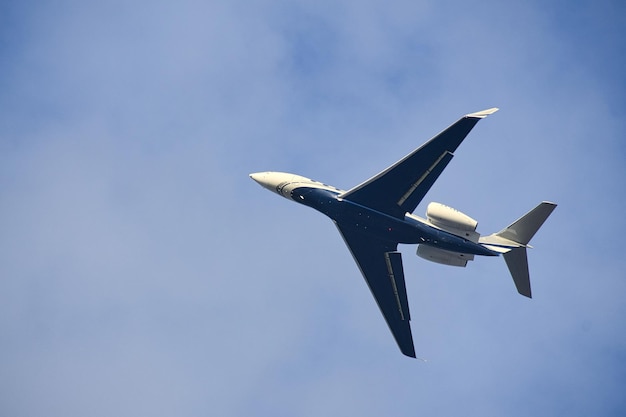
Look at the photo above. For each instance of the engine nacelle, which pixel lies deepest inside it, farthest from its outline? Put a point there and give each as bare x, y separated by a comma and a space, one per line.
453, 221
442, 256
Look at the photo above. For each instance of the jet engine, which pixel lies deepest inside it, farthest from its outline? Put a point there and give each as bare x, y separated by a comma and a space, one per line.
442, 256
452, 221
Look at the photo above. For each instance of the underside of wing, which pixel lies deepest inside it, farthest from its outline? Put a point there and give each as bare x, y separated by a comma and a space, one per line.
381, 266
400, 188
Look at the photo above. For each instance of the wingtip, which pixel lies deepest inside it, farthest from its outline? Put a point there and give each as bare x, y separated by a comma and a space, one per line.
483, 113
410, 354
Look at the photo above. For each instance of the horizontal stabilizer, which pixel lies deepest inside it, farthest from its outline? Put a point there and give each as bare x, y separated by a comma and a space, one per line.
512, 242
517, 261
524, 228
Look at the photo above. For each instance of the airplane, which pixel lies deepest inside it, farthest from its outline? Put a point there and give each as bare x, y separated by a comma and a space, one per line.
376, 215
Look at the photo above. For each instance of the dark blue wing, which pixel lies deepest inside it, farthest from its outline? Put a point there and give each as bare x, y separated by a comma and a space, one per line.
381, 266
400, 188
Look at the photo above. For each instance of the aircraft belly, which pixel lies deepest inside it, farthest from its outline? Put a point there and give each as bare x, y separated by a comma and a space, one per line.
363, 219
370, 221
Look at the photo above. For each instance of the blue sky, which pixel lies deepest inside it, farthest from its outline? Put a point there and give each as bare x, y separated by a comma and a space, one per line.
143, 273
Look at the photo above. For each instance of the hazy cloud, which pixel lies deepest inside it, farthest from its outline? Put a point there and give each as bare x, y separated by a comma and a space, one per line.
142, 272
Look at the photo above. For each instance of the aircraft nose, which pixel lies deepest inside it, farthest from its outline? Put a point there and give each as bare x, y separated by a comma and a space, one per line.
256, 176
260, 178
272, 180
264, 179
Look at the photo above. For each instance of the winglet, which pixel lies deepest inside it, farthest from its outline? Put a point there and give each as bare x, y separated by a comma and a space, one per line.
483, 113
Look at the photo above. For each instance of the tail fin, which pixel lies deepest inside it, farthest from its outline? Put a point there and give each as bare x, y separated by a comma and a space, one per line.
513, 241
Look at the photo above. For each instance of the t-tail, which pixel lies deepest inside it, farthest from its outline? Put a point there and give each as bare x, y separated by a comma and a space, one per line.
513, 241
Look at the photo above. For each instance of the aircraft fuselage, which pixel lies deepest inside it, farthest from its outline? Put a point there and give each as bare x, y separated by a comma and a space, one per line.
324, 198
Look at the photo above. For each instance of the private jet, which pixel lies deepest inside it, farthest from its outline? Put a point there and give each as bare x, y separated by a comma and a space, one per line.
376, 216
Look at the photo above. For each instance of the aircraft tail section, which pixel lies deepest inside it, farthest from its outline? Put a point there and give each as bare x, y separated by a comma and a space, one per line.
512, 242
524, 228
517, 261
